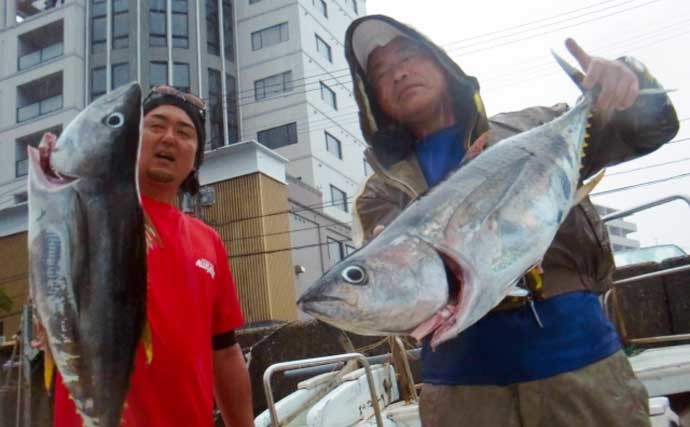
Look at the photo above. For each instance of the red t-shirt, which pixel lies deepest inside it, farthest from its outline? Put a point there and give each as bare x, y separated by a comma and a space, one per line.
191, 297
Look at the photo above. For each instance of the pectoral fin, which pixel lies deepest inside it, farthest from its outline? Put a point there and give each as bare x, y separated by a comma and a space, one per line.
147, 341
48, 370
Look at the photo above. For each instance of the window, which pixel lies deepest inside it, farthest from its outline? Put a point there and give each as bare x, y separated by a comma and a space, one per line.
97, 82
270, 36
120, 24
272, 85
120, 75
98, 26
157, 23
228, 31
333, 146
328, 95
335, 250
21, 164
323, 7
349, 249
212, 28
214, 108
323, 48
231, 86
338, 198
279, 136
180, 24
158, 73
39, 97
367, 167
181, 76
40, 45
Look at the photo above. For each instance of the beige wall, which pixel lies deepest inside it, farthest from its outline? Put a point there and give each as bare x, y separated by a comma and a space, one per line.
250, 214
13, 279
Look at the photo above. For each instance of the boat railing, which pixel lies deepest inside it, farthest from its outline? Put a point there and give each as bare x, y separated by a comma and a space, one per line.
305, 363
609, 296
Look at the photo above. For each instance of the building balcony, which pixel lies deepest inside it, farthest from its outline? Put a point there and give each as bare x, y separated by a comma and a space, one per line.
39, 108
40, 56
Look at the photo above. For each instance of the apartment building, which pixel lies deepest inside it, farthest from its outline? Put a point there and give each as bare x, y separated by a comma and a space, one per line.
619, 229
296, 92
269, 70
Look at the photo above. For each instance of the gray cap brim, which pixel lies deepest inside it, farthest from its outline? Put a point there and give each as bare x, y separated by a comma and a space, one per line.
369, 35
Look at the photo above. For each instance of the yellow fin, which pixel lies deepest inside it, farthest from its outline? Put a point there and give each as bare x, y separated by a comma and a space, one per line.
536, 274
587, 188
147, 339
153, 239
48, 370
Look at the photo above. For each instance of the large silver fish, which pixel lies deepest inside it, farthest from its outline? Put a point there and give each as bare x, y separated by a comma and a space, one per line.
488, 224
88, 255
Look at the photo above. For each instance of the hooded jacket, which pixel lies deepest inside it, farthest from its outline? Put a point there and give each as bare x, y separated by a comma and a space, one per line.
580, 257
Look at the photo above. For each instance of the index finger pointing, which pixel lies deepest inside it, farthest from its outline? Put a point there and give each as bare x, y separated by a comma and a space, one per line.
582, 57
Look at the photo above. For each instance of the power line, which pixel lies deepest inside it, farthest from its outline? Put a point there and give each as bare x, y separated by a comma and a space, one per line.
642, 184
335, 74
488, 83
291, 248
449, 44
232, 240
648, 167
529, 30
483, 49
285, 212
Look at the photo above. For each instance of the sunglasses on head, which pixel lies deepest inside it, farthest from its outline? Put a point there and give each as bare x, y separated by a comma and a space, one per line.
165, 90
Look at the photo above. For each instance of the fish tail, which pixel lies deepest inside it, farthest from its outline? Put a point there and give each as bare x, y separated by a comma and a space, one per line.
578, 76
575, 75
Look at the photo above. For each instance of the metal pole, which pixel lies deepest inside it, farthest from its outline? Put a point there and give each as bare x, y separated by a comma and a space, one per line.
223, 83
653, 274
19, 382
198, 51
108, 45
87, 54
238, 110
26, 362
139, 27
660, 339
318, 361
168, 18
635, 209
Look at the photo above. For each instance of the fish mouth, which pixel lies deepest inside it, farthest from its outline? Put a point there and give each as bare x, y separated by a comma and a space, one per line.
312, 303
45, 171
459, 297
316, 305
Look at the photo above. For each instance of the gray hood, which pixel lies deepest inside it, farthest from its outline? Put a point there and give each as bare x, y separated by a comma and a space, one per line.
389, 141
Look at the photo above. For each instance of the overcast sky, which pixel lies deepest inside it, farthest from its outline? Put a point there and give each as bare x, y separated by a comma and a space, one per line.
506, 45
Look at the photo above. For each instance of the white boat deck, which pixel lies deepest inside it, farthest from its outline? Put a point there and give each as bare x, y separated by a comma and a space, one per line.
663, 371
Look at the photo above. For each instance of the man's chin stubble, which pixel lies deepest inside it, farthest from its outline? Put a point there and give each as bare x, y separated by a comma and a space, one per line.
160, 177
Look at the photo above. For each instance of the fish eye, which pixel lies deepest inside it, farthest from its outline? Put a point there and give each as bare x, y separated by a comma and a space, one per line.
115, 120
354, 275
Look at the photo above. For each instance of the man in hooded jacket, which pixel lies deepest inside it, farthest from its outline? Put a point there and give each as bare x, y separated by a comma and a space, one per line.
556, 361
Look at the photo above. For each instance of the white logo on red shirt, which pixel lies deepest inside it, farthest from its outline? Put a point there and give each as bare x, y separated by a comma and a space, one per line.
206, 265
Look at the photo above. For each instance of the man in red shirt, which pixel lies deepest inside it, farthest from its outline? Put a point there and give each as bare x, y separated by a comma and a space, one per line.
192, 304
